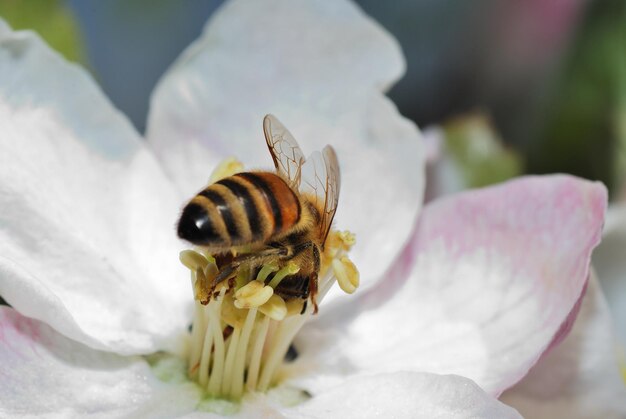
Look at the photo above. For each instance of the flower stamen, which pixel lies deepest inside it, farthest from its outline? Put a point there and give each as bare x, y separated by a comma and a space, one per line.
226, 168
253, 294
275, 308
290, 269
346, 273
241, 328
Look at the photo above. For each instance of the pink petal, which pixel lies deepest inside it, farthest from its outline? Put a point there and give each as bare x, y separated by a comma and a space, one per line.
87, 242
321, 68
483, 289
580, 378
47, 375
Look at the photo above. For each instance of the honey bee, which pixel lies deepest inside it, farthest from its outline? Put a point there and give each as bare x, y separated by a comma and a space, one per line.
258, 217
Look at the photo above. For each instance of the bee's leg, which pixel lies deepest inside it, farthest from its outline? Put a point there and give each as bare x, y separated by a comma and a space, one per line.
310, 287
231, 267
269, 252
226, 272
299, 248
229, 270
313, 291
313, 279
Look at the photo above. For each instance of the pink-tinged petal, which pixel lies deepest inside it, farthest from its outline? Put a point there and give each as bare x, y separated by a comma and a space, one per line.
580, 378
404, 395
482, 290
47, 375
610, 263
87, 239
321, 68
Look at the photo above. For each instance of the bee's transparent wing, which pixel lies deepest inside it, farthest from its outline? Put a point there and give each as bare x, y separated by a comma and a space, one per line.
285, 151
322, 179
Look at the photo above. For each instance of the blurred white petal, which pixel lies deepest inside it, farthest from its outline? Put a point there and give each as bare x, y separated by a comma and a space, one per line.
87, 242
52, 376
404, 395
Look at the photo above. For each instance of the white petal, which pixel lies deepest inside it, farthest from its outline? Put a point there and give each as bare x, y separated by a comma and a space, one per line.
320, 67
404, 395
87, 240
610, 263
482, 290
580, 378
47, 375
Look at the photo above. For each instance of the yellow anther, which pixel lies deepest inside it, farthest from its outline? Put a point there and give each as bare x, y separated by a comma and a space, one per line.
337, 243
294, 306
230, 314
267, 269
193, 260
275, 308
290, 269
348, 239
346, 273
253, 294
227, 167
211, 271
202, 287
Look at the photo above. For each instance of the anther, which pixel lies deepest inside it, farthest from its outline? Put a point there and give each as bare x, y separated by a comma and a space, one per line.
275, 308
201, 287
192, 259
294, 306
348, 239
346, 273
253, 294
226, 168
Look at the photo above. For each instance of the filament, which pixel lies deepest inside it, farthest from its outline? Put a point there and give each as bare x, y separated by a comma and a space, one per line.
241, 329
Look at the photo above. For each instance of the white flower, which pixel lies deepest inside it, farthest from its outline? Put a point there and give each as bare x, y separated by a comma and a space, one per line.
89, 259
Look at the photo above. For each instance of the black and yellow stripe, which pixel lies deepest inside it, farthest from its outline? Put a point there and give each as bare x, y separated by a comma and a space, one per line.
246, 208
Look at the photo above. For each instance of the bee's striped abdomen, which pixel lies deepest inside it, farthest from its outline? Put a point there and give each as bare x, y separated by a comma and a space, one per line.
281, 207
245, 208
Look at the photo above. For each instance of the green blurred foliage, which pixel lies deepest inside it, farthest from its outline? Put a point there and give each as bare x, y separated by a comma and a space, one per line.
52, 19
583, 124
478, 152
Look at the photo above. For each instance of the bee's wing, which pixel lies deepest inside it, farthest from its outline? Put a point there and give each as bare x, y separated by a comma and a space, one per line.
322, 179
285, 151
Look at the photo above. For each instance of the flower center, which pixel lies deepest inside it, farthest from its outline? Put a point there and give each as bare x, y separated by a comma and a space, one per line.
242, 329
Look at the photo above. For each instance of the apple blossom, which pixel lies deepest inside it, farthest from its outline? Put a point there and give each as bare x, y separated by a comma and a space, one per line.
452, 311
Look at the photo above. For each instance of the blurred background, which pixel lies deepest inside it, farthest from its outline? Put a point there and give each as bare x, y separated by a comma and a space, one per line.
509, 86
499, 87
